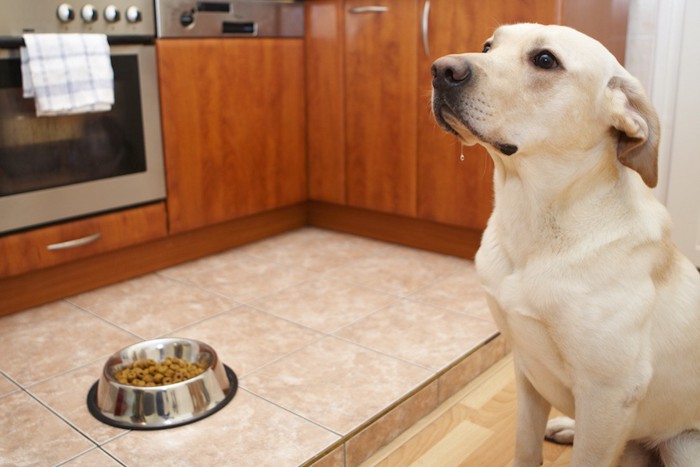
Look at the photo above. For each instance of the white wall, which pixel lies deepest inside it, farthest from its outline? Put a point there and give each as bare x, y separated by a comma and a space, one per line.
654, 38
683, 190
663, 47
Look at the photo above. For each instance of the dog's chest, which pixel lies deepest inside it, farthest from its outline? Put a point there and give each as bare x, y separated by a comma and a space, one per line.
523, 313
524, 305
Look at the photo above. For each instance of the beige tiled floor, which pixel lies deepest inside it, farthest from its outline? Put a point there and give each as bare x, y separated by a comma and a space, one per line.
327, 332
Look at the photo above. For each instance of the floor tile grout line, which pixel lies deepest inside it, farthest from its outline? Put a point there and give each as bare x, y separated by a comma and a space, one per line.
233, 309
308, 344
63, 462
325, 335
97, 444
451, 311
258, 259
286, 409
246, 300
187, 283
394, 357
395, 299
102, 318
96, 448
334, 334
235, 305
402, 294
18, 386
62, 418
433, 374
31, 384
287, 320
114, 438
443, 307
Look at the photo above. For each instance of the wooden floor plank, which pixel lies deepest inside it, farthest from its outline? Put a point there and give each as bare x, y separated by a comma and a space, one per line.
474, 428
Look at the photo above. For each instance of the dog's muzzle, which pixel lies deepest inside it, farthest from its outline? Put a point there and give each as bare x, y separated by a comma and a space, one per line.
451, 74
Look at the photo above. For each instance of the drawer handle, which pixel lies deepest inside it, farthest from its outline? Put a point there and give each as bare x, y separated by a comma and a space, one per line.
369, 9
75, 243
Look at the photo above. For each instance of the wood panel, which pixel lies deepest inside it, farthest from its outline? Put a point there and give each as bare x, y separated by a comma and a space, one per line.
26, 251
46, 285
380, 106
476, 427
233, 127
450, 190
416, 233
325, 100
604, 20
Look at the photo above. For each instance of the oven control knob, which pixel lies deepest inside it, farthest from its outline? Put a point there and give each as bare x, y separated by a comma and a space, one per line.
187, 19
133, 14
111, 14
88, 13
65, 13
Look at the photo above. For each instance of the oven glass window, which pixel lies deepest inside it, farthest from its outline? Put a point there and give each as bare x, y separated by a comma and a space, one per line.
46, 152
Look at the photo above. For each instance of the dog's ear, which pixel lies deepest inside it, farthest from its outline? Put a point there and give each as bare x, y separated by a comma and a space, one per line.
637, 127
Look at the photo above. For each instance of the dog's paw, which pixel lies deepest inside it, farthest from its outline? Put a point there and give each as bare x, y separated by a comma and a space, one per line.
560, 430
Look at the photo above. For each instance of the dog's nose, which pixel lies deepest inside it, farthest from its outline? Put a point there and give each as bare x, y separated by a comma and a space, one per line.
451, 71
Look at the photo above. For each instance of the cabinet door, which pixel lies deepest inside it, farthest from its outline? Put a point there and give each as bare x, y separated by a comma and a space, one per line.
323, 39
380, 104
233, 127
450, 190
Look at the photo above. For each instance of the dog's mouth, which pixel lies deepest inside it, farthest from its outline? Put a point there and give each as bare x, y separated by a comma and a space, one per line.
453, 123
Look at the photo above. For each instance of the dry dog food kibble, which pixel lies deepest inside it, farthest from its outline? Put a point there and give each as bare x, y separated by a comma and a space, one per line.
151, 373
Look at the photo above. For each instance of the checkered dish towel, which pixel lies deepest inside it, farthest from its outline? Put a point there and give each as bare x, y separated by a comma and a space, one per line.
67, 73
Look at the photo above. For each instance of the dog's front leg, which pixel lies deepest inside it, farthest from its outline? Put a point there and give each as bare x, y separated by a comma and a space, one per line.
604, 417
531, 422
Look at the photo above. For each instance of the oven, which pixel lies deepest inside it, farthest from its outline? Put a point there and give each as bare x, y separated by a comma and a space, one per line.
62, 167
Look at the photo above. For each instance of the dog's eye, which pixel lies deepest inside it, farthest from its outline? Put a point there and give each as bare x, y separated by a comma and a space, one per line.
545, 60
486, 48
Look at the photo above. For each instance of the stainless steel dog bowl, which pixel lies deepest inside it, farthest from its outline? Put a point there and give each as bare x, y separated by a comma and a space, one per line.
150, 408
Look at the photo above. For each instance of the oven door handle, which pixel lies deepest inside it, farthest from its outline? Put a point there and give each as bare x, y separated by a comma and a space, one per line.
75, 243
15, 42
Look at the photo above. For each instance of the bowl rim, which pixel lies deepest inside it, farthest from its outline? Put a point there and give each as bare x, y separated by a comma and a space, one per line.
107, 368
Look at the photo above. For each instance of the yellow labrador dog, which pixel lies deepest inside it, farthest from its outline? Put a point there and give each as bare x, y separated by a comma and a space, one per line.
601, 310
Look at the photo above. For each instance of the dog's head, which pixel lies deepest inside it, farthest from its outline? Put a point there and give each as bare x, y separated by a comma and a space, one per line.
551, 90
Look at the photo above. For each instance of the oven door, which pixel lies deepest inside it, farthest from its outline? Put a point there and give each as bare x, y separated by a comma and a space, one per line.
54, 168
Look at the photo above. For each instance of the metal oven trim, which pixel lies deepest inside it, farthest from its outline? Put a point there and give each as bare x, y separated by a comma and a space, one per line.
54, 204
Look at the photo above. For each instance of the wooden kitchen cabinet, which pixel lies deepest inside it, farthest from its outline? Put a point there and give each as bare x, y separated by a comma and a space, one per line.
361, 92
325, 98
372, 139
233, 116
380, 104
49, 246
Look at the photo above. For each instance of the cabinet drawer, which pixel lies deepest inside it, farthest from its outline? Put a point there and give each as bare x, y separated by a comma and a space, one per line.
56, 244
